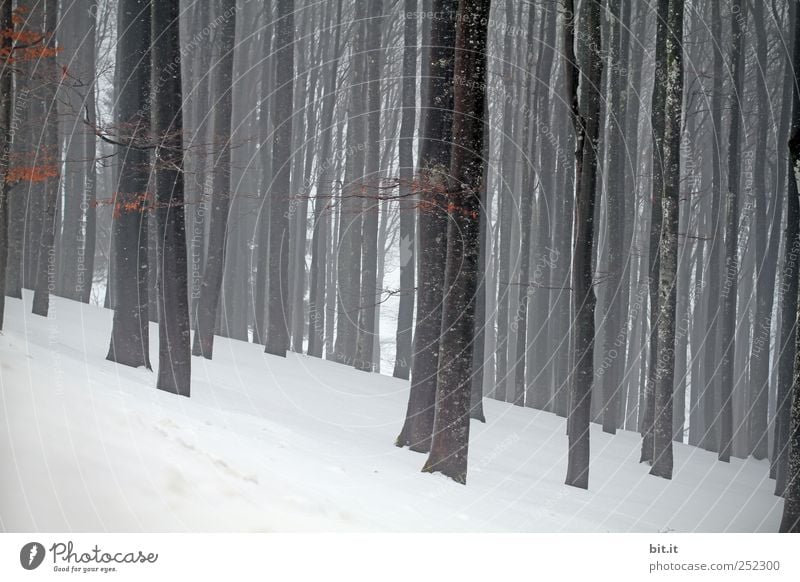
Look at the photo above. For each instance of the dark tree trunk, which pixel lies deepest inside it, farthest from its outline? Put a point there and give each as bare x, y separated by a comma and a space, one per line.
584, 99
277, 341
435, 147
130, 343
450, 441
86, 276
527, 195
323, 203
47, 154
790, 521
405, 316
710, 394
657, 123
174, 335
6, 136
668, 250
369, 257
731, 272
207, 305
348, 261
766, 254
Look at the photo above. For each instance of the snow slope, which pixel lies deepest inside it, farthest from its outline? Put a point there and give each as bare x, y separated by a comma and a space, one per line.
271, 444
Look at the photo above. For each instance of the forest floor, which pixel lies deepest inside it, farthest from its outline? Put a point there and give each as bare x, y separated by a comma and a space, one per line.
272, 444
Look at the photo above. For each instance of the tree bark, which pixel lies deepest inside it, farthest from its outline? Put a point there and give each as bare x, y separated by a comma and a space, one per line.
450, 443
405, 316
207, 305
435, 148
174, 362
731, 273
277, 341
584, 97
668, 250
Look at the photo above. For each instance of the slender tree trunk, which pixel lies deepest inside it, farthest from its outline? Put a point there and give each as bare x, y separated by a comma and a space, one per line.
710, 395
369, 260
349, 249
584, 98
788, 291
668, 251
766, 259
731, 274
405, 316
657, 113
277, 341
174, 335
323, 202
48, 154
207, 305
790, 521
6, 136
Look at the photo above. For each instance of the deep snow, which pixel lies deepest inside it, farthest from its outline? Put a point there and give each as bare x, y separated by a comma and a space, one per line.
271, 444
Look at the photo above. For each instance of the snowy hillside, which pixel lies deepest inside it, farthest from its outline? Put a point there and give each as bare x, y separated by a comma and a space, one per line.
268, 444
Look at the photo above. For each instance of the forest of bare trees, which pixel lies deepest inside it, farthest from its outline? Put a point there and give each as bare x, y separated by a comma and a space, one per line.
585, 207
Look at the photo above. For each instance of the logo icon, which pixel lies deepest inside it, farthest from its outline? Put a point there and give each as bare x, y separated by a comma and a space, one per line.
31, 555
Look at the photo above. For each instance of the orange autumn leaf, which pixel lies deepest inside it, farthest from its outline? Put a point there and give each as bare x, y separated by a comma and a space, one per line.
38, 173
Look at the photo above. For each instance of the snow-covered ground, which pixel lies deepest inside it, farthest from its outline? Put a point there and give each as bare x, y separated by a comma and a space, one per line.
271, 444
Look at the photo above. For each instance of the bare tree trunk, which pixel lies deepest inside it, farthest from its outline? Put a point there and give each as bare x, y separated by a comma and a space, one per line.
658, 121
731, 274
369, 256
130, 344
277, 341
435, 148
174, 335
323, 202
405, 316
47, 154
790, 521
450, 441
584, 98
207, 306
668, 250
6, 136
349, 250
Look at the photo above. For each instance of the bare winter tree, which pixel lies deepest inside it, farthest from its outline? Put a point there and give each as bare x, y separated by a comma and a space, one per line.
434, 169
130, 339
450, 440
174, 362
583, 94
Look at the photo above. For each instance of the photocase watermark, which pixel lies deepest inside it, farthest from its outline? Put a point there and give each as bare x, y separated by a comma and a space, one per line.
66, 559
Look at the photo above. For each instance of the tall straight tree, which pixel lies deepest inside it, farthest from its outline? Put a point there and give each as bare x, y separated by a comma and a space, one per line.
369, 256
731, 272
322, 202
668, 250
610, 387
174, 357
450, 442
434, 169
348, 261
48, 152
207, 305
658, 110
277, 303
130, 340
6, 135
788, 294
790, 522
583, 96
405, 146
